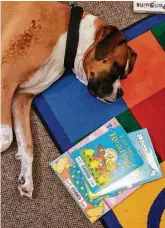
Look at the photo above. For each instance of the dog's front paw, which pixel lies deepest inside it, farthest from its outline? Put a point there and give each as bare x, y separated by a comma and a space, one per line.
25, 185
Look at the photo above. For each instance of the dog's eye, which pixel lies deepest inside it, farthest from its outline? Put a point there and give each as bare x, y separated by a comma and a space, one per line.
104, 61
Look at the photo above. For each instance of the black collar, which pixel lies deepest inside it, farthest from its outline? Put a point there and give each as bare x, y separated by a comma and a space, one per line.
72, 36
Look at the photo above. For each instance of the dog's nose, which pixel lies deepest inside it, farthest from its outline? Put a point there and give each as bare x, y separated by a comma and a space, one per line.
120, 93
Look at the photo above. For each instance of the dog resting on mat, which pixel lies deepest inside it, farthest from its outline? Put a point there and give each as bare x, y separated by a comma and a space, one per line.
37, 37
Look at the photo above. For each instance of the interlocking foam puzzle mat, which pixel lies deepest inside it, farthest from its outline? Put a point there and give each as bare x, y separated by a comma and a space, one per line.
69, 113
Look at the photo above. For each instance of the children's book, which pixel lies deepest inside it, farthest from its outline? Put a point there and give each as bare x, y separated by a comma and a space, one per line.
149, 171
94, 206
107, 159
73, 180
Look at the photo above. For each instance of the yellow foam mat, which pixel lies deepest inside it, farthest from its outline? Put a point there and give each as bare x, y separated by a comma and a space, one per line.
133, 212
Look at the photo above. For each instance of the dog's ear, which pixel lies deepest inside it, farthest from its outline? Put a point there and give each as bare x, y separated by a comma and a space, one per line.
132, 59
109, 38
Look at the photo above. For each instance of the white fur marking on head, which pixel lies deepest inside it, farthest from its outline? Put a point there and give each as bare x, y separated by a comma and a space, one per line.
127, 66
87, 32
6, 136
116, 86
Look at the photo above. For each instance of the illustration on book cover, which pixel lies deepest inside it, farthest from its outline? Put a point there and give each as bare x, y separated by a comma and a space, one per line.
101, 165
107, 159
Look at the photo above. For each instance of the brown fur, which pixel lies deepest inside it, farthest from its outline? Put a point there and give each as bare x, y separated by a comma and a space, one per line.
103, 57
30, 31
106, 60
38, 30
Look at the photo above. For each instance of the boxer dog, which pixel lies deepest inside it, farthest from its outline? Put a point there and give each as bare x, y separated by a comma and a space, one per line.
33, 48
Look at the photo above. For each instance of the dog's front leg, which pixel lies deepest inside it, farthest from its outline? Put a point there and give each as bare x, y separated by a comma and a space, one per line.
21, 116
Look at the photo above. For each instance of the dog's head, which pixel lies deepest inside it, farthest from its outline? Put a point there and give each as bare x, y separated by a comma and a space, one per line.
107, 61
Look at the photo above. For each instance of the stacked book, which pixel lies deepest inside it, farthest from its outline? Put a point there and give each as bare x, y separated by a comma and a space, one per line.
106, 167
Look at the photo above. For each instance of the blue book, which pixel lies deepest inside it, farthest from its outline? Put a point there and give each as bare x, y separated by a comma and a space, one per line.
107, 159
149, 171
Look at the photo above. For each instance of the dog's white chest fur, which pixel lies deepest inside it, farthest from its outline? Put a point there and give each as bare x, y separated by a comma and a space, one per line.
53, 68
50, 71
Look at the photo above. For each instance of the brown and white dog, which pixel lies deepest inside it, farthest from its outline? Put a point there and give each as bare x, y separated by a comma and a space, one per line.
33, 49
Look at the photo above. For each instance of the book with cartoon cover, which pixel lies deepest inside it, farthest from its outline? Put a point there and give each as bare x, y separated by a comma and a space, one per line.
149, 171
107, 159
95, 205
72, 178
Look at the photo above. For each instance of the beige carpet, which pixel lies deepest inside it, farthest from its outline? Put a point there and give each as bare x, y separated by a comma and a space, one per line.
52, 206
